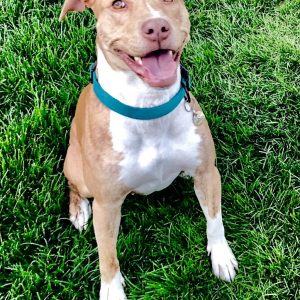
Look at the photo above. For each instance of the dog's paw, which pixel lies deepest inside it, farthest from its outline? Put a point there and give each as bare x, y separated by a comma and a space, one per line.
82, 215
223, 261
113, 290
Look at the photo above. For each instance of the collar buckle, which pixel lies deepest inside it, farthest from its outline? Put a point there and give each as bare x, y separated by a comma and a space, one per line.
186, 83
92, 70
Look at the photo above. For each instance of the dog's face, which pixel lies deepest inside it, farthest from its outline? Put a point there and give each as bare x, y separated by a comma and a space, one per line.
144, 36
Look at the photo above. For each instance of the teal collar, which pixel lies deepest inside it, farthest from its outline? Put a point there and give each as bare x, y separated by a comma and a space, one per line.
147, 113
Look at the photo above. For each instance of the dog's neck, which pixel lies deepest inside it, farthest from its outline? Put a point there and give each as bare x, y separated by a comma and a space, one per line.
128, 88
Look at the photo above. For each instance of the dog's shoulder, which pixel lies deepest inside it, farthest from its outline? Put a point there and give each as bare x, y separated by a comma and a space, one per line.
91, 117
203, 130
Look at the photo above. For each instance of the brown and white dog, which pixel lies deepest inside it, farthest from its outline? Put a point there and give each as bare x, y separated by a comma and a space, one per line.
139, 44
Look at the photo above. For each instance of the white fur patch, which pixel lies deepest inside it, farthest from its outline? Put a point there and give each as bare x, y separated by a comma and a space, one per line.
147, 156
154, 13
154, 152
80, 220
223, 261
114, 289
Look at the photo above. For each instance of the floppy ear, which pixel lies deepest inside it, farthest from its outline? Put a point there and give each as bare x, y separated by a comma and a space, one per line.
74, 5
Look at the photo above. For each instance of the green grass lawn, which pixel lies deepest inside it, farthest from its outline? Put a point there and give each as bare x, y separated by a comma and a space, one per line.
244, 58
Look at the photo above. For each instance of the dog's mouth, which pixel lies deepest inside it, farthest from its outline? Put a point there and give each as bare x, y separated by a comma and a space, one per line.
157, 68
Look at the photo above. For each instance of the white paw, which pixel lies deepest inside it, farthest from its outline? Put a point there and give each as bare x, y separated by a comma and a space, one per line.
113, 290
223, 261
81, 218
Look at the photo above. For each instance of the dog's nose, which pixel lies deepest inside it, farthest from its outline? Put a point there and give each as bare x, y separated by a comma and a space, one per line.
156, 30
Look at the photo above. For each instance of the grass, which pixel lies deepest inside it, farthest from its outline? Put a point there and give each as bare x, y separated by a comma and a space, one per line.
244, 58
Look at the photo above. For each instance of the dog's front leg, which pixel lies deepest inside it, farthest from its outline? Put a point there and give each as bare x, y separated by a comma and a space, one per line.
106, 220
207, 186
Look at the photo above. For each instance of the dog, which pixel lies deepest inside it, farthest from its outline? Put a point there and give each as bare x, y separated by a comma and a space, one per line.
128, 136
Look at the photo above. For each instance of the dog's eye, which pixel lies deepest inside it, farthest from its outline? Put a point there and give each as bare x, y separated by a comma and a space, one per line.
119, 4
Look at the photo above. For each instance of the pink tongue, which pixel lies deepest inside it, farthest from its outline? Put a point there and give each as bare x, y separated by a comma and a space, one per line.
161, 65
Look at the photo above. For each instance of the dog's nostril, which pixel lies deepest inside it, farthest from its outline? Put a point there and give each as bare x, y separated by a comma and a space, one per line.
156, 29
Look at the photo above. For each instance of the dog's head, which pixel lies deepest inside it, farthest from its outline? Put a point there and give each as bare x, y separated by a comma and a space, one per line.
144, 36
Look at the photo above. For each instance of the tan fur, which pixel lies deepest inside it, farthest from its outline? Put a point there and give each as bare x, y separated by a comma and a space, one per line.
208, 189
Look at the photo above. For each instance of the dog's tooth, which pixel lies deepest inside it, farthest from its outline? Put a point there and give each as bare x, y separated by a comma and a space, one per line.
170, 52
138, 60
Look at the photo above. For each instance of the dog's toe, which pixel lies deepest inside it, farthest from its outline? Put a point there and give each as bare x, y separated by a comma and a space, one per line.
113, 290
80, 219
224, 263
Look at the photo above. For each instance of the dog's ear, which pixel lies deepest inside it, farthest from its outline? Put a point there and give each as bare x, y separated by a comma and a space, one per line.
74, 5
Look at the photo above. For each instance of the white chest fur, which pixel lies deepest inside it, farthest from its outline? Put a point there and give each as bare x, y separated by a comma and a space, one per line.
153, 152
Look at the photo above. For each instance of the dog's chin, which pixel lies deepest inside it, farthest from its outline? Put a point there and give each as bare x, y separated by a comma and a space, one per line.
157, 68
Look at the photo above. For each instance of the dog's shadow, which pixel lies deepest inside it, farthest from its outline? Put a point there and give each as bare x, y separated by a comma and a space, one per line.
155, 228
176, 197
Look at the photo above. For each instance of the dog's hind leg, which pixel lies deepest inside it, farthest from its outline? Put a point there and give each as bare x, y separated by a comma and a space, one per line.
207, 186
80, 208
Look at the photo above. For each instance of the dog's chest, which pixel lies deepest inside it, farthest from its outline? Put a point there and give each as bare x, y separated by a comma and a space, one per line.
155, 152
